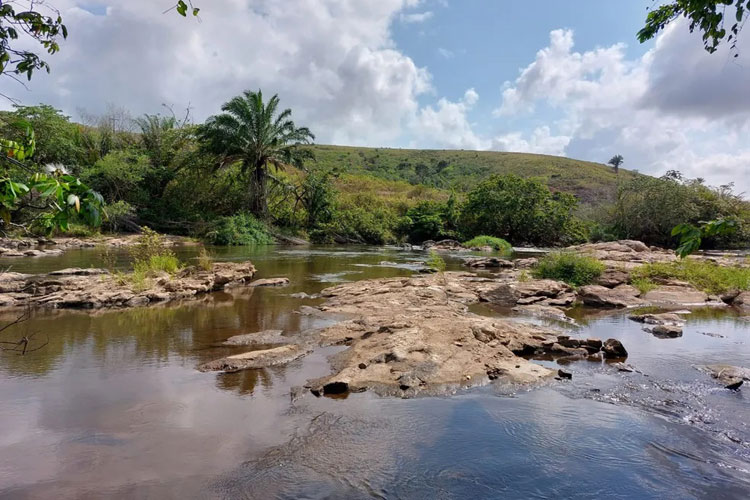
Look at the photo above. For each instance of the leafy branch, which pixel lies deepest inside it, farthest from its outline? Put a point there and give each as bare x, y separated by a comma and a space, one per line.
691, 236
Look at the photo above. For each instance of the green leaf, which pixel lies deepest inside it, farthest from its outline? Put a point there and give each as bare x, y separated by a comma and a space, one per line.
182, 8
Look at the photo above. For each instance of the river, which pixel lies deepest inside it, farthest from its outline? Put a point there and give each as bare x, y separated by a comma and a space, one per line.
113, 406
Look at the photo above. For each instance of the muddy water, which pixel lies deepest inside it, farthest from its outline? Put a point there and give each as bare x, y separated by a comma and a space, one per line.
113, 406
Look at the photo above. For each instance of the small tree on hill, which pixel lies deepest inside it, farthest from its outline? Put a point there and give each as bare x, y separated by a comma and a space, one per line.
616, 161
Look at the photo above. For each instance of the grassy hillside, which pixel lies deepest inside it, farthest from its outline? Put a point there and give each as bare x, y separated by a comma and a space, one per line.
461, 170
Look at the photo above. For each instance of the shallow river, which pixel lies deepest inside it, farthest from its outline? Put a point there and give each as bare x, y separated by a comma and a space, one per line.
114, 407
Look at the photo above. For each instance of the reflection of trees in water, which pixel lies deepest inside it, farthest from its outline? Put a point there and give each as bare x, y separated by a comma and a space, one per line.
244, 382
152, 335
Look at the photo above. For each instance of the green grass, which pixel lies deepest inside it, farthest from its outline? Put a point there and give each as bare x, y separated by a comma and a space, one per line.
703, 275
592, 182
498, 244
575, 270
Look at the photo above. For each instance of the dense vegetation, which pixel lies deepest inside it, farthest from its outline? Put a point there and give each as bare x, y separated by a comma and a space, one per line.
248, 175
703, 275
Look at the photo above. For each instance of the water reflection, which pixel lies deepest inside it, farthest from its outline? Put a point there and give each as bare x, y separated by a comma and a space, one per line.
114, 407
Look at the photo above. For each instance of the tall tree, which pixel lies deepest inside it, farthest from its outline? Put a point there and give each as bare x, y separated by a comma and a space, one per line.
718, 20
255, 135
616, 161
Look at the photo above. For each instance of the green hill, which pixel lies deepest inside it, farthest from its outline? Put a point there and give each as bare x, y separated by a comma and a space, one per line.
462, 170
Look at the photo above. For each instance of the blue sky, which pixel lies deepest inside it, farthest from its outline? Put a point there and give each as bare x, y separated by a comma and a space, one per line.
556, 77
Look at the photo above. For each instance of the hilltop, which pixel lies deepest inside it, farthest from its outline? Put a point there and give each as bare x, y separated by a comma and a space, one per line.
462, 170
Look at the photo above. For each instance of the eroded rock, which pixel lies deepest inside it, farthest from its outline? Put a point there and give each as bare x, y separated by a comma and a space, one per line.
620, 296
270, 282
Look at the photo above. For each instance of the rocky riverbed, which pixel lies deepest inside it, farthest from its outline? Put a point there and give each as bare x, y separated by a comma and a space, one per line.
92, 288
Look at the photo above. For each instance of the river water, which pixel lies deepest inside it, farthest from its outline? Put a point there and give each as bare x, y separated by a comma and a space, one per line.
113, 407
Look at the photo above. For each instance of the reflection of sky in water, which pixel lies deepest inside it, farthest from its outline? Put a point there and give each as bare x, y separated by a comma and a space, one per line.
115, 403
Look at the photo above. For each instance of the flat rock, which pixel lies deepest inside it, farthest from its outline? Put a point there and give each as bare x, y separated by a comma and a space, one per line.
600, 296
658, 319
78, 271
666, 331
726, 374
270, 282
676, 295
255, 359
258, 338
79, 288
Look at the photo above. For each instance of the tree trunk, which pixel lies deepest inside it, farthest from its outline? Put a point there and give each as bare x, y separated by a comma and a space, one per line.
259, 192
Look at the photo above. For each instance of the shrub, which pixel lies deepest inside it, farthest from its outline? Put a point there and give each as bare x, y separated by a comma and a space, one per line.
521, 211
436, 262
118, 214
576, 270
149, 244
357, 225
498, 244
703, 275
238, 230
205, 261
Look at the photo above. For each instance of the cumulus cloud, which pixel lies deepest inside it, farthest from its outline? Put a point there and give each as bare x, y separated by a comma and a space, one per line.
676, 107
332, 61
447, 125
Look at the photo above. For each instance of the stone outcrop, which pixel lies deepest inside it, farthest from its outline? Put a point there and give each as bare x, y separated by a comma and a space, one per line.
681, 295
541, 292
270, 282
409, 335
96, 288
266, 337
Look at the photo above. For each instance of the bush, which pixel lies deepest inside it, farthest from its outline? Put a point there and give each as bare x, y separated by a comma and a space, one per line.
521, 211
498, 244
703, 275
358, 225
238, 230
149, 244
118, 214
575, 270
205, 261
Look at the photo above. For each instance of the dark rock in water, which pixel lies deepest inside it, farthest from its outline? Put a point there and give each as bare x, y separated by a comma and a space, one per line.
334, 388
735, 386
488, 262
667, 331
614, 349
564, 375
714, 335
730, 376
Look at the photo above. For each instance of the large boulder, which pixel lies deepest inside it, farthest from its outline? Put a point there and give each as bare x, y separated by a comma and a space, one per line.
742, 300
620, 296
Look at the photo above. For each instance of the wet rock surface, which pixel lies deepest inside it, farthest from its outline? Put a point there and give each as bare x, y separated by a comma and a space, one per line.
414, 335
731, 376
40, 247
96, 289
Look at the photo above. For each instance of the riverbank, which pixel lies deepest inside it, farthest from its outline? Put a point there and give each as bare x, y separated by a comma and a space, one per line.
92, 288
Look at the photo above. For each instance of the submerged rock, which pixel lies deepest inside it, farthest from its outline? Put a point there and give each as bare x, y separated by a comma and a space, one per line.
731, 376
667, 331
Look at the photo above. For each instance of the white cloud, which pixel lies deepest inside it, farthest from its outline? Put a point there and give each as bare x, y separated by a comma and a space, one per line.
448, 124
676, 107
416, 17
332, 61
541, 141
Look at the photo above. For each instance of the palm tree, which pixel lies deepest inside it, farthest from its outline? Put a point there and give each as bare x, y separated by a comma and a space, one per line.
252, 133
616, 161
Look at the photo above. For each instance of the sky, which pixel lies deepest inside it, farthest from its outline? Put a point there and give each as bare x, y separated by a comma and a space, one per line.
552, 77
